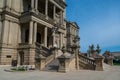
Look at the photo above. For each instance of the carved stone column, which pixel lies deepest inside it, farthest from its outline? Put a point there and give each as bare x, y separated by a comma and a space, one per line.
32, 3
35, 31
31, 32
36, 4
54, 11
45, 37
46, 8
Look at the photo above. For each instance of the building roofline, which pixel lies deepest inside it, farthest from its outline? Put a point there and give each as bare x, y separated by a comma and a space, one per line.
70, 22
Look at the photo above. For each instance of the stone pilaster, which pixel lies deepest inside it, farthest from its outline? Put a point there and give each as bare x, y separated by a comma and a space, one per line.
45, 37
19, 34
5, 32
31, 32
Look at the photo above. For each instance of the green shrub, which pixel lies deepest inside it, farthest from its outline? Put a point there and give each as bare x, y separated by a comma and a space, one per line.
116, 64
21, 68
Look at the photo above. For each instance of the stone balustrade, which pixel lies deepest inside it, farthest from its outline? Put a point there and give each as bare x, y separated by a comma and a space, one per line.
61, 3
38, 15
24, 45
86, 62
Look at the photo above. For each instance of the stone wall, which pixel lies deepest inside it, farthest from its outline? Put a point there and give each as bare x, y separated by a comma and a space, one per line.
0, 29
7, 55
72, 65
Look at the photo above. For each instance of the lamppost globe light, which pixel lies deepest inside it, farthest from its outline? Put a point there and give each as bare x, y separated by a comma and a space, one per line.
55, 45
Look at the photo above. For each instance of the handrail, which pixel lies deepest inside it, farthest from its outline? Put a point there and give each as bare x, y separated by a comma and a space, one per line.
61, 3
41, 47
49, 59
87, 59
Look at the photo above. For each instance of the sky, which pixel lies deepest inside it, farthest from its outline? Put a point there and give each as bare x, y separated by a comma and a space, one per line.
99, 22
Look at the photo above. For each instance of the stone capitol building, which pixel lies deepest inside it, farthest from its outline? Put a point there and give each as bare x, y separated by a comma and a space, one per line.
36, 33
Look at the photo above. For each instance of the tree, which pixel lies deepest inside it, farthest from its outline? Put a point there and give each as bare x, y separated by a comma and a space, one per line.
98, 50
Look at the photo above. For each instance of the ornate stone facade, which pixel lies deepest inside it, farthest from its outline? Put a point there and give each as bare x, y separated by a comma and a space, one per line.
25, 22
72, 32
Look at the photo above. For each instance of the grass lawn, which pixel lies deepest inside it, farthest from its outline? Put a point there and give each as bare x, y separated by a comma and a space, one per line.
116, 64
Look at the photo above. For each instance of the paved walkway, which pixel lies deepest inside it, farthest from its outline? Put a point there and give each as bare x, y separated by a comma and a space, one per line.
113, 73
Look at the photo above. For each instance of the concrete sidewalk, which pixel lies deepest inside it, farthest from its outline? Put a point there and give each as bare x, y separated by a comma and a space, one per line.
112, 74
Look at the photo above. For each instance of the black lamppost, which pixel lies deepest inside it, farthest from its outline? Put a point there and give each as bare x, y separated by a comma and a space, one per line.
98, 50
54, 30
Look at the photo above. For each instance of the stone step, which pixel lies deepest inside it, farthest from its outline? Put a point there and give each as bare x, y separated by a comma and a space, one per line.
52, 66
106, 67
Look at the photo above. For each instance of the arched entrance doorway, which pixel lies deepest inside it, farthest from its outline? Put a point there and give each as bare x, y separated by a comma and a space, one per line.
21, 53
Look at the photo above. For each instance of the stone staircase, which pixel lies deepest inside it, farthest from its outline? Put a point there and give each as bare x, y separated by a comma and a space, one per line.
47, 58
52, 66
40, 49
106, 67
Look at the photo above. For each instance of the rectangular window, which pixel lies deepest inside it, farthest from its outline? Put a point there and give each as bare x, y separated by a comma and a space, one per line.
8, 56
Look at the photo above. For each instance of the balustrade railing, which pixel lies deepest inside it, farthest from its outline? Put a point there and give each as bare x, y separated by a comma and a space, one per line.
61, 3
49, 59
24, 45
88, 62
